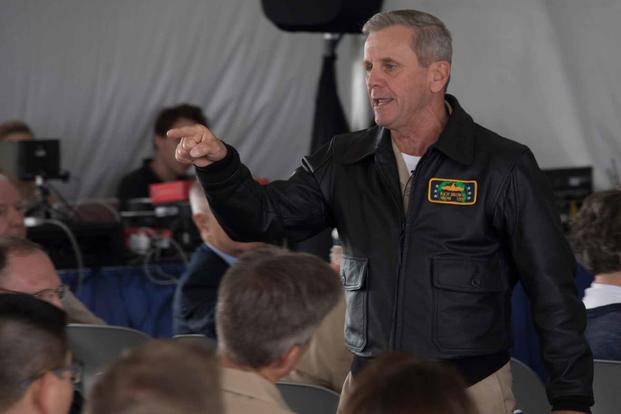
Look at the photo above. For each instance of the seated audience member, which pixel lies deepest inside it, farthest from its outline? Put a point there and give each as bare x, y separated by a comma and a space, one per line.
11, 206
194, 303
160, 377
269, 304
596, 239
26, 268
35, 362
397, 383
14, 131
327, 360
163, 166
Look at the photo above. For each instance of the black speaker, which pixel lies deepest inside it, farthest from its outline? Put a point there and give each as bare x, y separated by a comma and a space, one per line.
325, 16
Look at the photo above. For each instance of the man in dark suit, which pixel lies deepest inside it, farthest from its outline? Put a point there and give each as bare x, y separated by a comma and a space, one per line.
197, 291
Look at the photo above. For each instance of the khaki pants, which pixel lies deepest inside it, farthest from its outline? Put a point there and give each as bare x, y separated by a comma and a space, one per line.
491, 395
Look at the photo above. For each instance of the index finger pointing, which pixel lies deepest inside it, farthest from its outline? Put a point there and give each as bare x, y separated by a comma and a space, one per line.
193, 132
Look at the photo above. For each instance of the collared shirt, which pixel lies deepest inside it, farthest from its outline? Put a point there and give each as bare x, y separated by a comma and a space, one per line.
230, 260
248, 392
601, 294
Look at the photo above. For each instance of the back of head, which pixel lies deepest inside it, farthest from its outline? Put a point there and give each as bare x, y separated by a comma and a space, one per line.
270, 301
160, 377
32, 342
168, 116
432, 40
15, 130
399, 384
596, 232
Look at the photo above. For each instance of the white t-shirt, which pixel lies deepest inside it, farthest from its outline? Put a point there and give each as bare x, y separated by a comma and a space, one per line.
410, 161
601, 294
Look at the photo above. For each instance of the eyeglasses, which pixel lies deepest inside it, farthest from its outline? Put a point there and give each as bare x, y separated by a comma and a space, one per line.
21, 207
75, 371
45, 294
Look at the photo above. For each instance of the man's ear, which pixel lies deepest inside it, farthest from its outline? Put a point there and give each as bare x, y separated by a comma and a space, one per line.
439, 73
283, 365
43, 392
157, 141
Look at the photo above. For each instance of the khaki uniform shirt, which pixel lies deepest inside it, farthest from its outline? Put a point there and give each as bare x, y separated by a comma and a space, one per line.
247, 392
77, 312
327, 360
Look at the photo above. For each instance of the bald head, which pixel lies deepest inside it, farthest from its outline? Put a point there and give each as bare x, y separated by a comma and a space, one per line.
26, 268
11, 217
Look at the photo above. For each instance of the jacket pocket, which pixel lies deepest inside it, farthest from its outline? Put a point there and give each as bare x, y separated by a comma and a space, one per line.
471, 302
354, 275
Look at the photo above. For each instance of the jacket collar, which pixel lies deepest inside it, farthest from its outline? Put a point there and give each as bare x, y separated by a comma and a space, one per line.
456, 140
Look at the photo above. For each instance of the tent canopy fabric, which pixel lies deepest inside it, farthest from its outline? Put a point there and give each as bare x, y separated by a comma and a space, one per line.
542, 72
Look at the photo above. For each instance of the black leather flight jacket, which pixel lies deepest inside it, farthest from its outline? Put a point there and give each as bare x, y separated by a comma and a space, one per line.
436, 280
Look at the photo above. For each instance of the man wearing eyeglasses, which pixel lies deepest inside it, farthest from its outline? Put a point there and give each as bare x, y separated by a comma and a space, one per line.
26, 268
36, 372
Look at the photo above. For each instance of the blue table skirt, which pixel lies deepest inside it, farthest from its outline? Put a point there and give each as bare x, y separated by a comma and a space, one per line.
126, 296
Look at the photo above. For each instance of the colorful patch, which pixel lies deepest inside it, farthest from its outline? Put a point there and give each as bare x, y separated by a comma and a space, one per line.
450, 191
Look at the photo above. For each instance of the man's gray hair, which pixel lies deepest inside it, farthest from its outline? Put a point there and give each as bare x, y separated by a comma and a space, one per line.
32, 341
432, 40
271, 300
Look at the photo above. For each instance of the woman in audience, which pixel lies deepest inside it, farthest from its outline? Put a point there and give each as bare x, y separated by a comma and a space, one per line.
596, 239
399, 384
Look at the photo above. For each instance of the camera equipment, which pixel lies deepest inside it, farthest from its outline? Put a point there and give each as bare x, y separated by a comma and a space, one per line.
570, 187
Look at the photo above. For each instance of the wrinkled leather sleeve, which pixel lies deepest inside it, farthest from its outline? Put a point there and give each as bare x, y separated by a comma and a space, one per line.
545, 265
294, 209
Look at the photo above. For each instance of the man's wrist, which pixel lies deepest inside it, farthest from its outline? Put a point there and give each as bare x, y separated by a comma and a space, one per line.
219, 168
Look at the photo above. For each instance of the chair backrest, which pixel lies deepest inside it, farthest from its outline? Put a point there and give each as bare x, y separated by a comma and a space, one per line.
95, 346
309, 399
196, 338
528, 390
606, 382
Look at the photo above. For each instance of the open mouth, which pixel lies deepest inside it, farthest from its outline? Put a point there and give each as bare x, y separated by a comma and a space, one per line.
379, 102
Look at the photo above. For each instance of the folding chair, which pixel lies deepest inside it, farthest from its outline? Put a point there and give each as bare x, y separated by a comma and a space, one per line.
528, 390
95, 346
309, 399
196, 337
606, 381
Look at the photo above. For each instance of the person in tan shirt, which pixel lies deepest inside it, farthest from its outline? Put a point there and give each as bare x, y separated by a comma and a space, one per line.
26, 268
269, 304
12, 224
160, 377
327, 361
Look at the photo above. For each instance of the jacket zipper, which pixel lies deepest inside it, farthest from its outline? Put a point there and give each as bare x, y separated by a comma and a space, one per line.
402, 249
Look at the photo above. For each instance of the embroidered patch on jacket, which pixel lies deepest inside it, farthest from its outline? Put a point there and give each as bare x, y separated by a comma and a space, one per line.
450, 191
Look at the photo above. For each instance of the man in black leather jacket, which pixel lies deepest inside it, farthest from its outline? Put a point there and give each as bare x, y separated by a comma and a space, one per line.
438, 217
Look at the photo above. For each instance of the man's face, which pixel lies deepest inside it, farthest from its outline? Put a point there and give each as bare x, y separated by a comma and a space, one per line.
32, 273
11, 218
165, 148
398, 86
